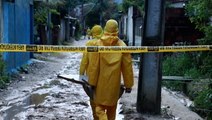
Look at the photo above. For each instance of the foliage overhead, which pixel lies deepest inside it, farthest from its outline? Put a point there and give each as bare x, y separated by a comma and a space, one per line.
110, 10
136, 3
200, 13
107, 9
42, 8
73, 3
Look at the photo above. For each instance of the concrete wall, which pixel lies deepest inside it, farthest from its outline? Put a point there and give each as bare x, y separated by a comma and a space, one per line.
138, 31
17, 29
125, 24
62, 30
130, 26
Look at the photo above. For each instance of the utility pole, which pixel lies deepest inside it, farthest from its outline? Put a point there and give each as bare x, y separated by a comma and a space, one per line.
150, 75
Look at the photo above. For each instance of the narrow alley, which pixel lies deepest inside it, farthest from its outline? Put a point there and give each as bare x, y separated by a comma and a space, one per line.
156, 52
37, 94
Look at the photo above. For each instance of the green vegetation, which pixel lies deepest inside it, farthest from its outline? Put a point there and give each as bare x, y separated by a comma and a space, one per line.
178, 64
41, 10
139, 4
106, 9
197, 65
203, 102
193, 66
4, 79
199, 13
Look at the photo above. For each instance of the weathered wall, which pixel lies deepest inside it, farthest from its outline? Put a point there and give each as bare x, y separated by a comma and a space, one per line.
62, 30
138, 31
130, 26
17, 29
125, 25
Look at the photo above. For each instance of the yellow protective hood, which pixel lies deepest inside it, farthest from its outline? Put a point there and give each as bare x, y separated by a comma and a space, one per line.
110, 36
109, 40
96, 32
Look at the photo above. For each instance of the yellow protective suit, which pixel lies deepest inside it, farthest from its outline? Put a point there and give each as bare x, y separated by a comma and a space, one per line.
88, 63
111, 66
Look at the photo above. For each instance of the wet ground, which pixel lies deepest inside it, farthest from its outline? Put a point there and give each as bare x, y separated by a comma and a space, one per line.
40, 95
36, 93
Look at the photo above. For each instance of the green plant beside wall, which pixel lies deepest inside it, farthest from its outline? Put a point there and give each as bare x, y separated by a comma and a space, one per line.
177, 64
203, 103
196, 65
4, 78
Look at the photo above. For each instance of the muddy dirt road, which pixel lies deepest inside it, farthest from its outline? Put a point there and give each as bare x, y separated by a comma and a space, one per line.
40, 95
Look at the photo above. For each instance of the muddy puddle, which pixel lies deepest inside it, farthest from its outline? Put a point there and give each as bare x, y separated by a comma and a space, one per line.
33, 99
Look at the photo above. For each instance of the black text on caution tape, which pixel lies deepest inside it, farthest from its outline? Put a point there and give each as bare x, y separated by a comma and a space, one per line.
31, 48
92, 49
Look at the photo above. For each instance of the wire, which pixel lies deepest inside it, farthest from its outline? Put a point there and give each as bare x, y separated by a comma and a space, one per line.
201, 109
91, 8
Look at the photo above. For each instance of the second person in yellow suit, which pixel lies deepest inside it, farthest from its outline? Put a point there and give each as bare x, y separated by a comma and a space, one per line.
89, 62
110, 68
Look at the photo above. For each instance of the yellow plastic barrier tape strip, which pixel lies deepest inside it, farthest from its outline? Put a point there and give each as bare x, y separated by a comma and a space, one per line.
101, 49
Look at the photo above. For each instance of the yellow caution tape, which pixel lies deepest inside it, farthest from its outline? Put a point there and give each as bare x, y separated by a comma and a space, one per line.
101, 49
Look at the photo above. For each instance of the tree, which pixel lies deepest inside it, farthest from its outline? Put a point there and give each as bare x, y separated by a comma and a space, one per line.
102, 11
139, 4
199, 13
42, 8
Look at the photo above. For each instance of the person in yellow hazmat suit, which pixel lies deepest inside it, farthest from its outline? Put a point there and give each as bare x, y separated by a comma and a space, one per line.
110, 68
88, 62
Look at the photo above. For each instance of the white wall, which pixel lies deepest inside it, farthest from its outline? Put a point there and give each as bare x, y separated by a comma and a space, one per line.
178, 5
62, 30
125, 25
130, 26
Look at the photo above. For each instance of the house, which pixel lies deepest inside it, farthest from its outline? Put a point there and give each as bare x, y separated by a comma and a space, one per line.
130, 25
178, 28
17, 28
